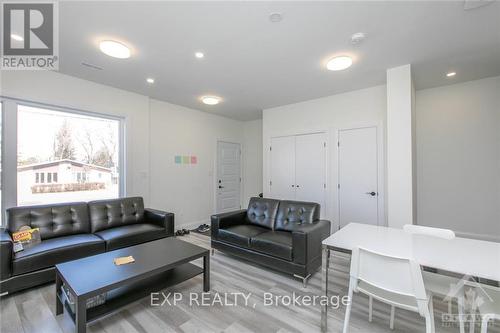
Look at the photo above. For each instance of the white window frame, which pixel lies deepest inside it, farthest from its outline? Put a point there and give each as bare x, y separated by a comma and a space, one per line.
9, 146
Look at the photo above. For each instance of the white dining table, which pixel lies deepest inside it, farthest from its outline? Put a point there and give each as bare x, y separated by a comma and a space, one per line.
464, 256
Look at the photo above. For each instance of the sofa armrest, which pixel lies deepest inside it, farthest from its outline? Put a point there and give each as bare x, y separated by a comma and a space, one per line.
6, 245
160, 218
306, 240
225, 220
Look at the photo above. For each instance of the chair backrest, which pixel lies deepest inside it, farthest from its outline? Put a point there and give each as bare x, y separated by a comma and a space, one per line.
395, 275
429, 231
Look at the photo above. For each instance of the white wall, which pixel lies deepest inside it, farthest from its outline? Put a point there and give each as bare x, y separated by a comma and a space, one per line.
358, 108
457, 146
155, 133
252, 160
458, 157
400, 147
187, 190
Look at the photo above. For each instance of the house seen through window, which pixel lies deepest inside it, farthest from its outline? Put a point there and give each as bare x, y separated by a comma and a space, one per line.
65, 156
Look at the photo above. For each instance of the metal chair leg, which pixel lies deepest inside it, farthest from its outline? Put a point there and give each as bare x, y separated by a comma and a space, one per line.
391, 321
431, 311
370, 308
460, 302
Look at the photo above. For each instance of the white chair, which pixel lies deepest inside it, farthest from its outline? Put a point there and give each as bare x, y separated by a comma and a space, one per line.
392, 280
438, 284
429, 231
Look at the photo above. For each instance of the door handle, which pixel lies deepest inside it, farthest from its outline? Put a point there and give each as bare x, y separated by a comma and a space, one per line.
372, 193
221, 186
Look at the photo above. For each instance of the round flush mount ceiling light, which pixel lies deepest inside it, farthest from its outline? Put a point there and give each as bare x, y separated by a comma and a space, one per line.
114, 49
150, 80
210, 100
451, 74
16, 37
339, 63
199, 55
275, 17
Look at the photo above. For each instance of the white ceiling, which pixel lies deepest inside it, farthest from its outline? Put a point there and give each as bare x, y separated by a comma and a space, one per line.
254, 64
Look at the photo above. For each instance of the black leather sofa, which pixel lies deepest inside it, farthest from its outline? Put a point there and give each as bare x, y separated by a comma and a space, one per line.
284, 235
71, 231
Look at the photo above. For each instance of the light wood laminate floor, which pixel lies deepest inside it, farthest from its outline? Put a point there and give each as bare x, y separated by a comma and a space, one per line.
33, 310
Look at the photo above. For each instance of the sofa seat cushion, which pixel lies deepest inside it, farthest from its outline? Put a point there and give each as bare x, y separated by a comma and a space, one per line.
56, 250
274, 243
240, 234
129, 235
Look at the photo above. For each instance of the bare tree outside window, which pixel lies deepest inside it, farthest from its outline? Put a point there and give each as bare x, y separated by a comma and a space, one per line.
80, 154
63, 143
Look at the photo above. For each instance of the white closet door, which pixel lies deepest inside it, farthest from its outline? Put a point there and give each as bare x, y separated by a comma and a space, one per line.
310, 168
283, 168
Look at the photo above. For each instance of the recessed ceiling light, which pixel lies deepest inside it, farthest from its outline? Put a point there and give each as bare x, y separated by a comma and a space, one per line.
16, 37
210, 100
451, 74
275, 17
339, 63
199, 55
150, 80
114, 49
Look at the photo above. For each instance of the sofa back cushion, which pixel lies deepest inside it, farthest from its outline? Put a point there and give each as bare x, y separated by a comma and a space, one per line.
262, 212
105, 214
53, 220
291, 213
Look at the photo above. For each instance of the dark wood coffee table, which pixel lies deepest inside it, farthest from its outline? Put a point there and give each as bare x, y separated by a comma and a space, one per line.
158, 264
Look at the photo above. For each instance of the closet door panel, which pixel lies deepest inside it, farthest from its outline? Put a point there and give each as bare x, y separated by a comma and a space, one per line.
283, 168
310, 164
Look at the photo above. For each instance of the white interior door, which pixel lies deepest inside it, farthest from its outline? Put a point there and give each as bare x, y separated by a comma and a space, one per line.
358, 176
283, 168
228, 176
310, 168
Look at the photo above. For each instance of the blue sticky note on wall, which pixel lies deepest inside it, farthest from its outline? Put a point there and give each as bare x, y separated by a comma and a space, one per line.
178, 159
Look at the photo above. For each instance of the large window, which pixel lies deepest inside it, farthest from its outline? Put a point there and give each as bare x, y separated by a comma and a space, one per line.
65, 156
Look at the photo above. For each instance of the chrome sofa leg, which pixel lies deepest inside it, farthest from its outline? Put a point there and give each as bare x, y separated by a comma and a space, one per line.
304, 279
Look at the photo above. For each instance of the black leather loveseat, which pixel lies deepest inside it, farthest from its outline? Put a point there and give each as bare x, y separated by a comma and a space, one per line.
75, 230
284, 235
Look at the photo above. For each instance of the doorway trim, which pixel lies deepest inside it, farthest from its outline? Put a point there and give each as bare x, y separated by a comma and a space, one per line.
216, 171
380, 170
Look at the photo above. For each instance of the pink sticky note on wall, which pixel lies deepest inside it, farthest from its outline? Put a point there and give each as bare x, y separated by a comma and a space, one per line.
194, 160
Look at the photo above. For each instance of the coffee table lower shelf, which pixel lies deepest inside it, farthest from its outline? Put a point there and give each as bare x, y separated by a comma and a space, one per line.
123, 296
